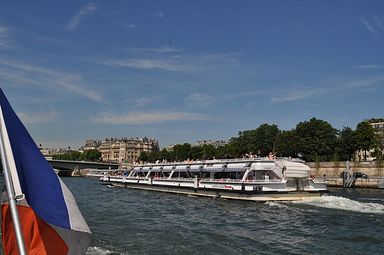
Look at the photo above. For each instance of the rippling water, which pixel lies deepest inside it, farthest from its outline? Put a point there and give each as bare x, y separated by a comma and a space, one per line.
125, 221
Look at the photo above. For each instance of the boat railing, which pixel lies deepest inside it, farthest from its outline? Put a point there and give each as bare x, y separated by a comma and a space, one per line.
240, 180
211, 161
263, 180
172, 179
220, 180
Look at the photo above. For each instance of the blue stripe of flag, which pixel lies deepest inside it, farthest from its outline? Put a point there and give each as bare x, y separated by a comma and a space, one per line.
38, 181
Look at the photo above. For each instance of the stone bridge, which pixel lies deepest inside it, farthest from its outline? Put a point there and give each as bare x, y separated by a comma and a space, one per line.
69, 168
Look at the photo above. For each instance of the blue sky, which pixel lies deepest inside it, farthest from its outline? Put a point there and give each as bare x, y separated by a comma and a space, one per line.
181, 71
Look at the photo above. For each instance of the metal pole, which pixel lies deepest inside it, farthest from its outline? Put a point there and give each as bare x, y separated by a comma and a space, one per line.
12, 199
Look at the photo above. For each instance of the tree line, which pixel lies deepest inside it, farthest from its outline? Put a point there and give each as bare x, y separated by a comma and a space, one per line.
312, 140
89, 155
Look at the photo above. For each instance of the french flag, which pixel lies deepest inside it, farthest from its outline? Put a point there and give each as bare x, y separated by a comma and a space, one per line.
50, 220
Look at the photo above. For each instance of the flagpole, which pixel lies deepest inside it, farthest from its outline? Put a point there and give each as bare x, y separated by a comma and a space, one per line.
12, 198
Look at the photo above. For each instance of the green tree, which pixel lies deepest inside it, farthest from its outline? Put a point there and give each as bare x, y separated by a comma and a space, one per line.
92, 155
182, 151
316, 140
365, 137
244, 143
346, 146
208, 151
258, 141
196, 152
143, 156
70, 155
266, 138
225, 152
286, 144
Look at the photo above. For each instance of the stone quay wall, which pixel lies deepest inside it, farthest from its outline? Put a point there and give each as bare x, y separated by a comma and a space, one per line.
333, 170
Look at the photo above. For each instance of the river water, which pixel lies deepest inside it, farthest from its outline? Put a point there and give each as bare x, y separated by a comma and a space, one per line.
125, 221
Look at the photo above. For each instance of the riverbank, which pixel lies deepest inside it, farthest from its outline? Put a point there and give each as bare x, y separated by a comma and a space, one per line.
359, 183
333, 170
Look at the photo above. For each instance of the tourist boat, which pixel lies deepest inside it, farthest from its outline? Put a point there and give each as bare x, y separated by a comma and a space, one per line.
242, 179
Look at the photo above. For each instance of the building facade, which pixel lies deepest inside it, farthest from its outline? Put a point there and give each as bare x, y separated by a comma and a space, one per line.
122, 149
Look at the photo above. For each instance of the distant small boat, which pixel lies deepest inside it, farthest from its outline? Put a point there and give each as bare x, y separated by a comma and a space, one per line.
242, 179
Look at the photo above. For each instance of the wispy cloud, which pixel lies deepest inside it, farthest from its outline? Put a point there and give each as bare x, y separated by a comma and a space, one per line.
207, 99
130, 26
375, 27
170, 59
146, 64
143, 101
83, 12
21, 73
37, 118
368, 67
159, 14
164, 49
368, 26
200, 99
294, 96
327, 87
362, 83
379, 23
4, 40
137, 118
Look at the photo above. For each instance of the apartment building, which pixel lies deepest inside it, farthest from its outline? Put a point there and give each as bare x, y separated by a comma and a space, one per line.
122, 149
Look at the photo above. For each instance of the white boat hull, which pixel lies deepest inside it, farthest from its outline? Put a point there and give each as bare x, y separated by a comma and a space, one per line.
220, 192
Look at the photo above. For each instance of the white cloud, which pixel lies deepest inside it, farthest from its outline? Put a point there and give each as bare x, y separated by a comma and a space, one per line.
137, 118
84, 11
37, 118
20, 73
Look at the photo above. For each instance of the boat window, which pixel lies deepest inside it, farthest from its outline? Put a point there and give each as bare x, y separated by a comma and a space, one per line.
261, 175
204, 175
165, 174
155, 175
229, 175
182, 175
140, 174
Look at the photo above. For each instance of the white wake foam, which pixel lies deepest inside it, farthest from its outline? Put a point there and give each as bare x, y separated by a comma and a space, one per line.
97, 251
343, 203
276, 204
